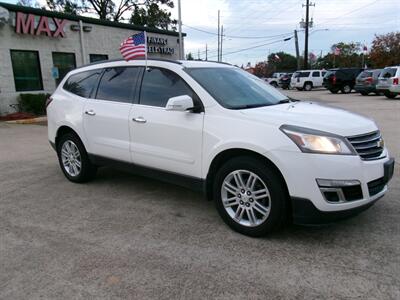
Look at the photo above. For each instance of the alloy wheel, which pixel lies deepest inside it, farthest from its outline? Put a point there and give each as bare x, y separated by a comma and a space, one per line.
71, 158
246, 198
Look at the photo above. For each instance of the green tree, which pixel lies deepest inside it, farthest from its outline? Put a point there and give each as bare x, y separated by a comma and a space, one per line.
189, 56
281, 62
73, 7
385, 50
152, 14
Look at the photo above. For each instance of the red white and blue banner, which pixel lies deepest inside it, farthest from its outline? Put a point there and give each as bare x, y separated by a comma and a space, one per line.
134, 46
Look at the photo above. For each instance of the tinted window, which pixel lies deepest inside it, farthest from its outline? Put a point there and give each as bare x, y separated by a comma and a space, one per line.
82, 84
315, 74
97, 57
117, 84
64, 62
323, 74
365, 74
26, 69
304, 74
161, 84
388, 72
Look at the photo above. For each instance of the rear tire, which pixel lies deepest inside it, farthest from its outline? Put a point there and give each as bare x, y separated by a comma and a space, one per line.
346, 89
390, 95
334, 91
364, 93
299, 89
74, 160
308, 86
249, 196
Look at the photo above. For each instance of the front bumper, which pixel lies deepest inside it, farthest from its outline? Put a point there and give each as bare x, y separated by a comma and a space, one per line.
301, 171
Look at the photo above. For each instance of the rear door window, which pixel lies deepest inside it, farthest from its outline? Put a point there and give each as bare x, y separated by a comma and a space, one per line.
118, 84
304, 74
82, 84
316, 74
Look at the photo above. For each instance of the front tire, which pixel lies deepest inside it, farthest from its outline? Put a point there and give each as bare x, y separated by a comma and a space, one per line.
74, 160
250, 197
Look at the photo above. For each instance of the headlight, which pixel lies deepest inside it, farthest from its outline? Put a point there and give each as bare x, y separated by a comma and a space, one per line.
315, 141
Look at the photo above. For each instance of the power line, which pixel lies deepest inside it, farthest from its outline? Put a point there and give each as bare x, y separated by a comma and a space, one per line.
249, 48
236, 36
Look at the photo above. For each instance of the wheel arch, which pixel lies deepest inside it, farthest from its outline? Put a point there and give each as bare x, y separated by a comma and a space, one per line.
64, 129
228, 154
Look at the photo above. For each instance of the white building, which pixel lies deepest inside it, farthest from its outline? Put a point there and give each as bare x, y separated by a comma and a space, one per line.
38, 47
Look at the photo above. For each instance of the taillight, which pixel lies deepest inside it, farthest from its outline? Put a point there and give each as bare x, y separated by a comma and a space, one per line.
368, 80
48, 101
333, 79
395, 80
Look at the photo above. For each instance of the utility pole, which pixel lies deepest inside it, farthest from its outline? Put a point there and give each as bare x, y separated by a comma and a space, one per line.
218, 36
206, 53
307, 26
296, 43
180, 30
222, 37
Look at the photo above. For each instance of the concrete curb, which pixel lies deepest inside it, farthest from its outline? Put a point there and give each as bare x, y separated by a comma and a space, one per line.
28, 121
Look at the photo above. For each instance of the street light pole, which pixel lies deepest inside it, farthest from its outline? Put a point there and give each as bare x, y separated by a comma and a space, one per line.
180, 30
307, 25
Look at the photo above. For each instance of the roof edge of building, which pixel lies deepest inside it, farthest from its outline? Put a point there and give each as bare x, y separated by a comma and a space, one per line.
54, 14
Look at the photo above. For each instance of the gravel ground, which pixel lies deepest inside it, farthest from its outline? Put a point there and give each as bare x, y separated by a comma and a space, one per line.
126, 237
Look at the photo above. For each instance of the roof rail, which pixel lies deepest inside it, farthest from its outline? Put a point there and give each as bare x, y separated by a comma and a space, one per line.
213, 61
121, 59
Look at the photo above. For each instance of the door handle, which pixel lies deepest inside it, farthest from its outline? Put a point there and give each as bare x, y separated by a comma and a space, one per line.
90, 113
139, 120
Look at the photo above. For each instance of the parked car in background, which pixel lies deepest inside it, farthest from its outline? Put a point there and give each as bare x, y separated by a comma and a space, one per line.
341, 79
366, 82
389, 82
274, 80
307, 79
284, 81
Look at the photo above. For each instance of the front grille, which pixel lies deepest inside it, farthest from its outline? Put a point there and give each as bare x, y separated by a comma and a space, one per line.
369, 146
376, 186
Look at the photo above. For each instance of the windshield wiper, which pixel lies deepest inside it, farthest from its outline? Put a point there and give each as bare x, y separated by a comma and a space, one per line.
250, 106
287, 100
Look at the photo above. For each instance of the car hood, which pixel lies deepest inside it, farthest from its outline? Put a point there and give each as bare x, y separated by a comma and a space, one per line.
314, 116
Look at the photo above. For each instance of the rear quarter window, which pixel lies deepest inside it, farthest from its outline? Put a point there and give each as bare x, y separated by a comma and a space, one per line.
82, 84
389, 73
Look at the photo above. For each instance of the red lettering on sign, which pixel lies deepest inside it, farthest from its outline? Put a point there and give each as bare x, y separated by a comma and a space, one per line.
60, 27
43, 26
23, 24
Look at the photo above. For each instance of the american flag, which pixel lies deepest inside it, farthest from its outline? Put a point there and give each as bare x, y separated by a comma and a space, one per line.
134, 46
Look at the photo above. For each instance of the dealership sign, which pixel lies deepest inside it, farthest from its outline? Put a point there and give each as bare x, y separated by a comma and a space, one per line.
159, 45
35, 25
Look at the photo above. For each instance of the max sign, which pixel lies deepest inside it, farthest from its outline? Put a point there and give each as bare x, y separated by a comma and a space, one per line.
26, 24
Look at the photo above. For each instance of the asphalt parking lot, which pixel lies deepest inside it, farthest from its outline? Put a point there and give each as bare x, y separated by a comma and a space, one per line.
126, 237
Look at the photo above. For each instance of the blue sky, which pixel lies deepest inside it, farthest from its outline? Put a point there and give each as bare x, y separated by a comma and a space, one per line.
334, 21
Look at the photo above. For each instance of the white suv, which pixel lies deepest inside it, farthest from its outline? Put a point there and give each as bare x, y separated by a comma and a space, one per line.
307, 79
262, 157
389, 82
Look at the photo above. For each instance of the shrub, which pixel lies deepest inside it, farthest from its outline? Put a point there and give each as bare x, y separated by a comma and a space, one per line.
33, 103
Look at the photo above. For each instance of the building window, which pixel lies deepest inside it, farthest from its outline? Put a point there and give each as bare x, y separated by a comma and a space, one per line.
97, 57
26, 69
64, 62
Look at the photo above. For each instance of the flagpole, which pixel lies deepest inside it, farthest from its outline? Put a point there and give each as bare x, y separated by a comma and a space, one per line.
145, 55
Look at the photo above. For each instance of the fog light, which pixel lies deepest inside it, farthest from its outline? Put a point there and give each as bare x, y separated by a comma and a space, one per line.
336, 183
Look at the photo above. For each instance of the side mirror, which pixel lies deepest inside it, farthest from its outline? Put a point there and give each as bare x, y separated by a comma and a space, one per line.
180, 103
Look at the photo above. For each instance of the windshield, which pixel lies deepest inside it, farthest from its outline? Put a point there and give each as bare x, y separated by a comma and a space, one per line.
235, 89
